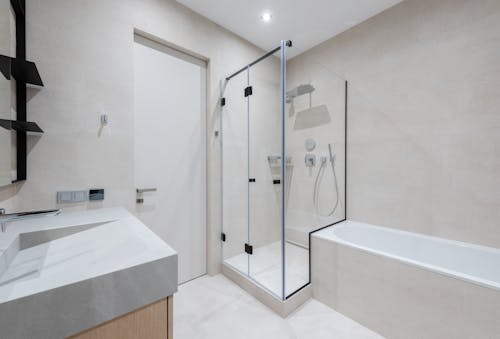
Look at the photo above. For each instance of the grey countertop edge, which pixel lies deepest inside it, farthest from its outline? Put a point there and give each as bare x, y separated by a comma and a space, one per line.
71, 309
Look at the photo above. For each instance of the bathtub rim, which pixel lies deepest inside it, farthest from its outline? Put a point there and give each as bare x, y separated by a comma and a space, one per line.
436, 269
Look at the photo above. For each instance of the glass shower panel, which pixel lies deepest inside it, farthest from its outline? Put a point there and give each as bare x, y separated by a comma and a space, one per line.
264, 147
315, 125
234, 148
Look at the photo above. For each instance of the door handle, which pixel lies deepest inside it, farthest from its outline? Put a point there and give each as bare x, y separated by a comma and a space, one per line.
143, 190
139, 199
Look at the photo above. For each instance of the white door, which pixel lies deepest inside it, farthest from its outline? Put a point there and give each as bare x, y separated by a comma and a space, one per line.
169, 150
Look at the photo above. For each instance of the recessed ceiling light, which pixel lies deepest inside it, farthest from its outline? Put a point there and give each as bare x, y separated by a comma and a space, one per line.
266, 16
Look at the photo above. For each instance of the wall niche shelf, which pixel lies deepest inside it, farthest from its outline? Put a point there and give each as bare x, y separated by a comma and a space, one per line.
24, 72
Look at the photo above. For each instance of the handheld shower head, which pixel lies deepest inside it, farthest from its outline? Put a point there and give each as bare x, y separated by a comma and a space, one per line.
317, 184
332, 156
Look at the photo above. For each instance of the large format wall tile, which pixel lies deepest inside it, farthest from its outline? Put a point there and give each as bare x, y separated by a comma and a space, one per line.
424, 117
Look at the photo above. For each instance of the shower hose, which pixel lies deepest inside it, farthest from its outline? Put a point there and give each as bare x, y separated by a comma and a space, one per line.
319, 179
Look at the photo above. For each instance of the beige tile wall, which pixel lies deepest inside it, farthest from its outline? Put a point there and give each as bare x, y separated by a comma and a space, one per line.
424, 117
329, 91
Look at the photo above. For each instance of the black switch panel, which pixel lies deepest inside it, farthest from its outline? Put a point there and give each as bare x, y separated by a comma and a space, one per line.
96, 194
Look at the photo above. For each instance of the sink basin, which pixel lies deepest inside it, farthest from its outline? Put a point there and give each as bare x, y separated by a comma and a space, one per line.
68, 273
24, 258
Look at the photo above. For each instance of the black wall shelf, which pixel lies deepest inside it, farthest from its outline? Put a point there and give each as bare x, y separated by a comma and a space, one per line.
18, 6
24, 72
21, 70
5, 66
20, 126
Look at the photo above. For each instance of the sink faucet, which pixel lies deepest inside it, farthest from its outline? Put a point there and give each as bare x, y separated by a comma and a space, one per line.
6, 218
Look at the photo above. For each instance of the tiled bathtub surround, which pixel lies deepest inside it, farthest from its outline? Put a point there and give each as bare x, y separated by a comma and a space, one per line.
400, 299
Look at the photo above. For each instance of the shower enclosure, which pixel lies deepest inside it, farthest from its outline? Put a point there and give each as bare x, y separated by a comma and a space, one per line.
283, 145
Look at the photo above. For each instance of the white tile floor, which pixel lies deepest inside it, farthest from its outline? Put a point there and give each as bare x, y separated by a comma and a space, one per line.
265, 266
214, 307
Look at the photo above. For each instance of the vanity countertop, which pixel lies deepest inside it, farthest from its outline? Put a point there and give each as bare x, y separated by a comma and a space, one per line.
62, 274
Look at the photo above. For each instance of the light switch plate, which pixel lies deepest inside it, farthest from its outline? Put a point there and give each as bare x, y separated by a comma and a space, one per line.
69, 197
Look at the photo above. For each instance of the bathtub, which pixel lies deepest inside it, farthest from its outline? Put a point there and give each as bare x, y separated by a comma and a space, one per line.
407, 285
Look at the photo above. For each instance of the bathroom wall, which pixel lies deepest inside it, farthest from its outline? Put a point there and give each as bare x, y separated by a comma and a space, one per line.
424, 117
84, 50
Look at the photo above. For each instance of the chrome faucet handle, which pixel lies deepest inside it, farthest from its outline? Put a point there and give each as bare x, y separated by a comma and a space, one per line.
7, 218
3, 225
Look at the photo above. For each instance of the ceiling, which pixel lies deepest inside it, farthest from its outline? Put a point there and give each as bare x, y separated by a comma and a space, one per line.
307, 23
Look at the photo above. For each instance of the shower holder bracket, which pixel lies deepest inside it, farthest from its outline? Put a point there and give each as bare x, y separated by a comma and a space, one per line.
222, 102
223, 237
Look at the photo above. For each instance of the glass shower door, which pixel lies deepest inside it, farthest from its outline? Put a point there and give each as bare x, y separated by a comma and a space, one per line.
234, 149
264, 191
315, 127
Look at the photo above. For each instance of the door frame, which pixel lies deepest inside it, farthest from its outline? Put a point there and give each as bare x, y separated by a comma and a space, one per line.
187, 55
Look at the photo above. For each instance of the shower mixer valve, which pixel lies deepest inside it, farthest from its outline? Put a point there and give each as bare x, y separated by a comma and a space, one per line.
310, 160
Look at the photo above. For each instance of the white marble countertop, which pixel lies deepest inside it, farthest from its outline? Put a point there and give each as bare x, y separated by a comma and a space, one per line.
106, 247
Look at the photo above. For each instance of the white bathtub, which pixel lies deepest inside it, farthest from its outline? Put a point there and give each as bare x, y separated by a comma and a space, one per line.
407, 285
473, 263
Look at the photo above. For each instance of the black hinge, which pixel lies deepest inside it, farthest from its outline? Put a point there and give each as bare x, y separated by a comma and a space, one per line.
251, 179
222, 102
249, 249
248, 91
223, 236
276, 181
